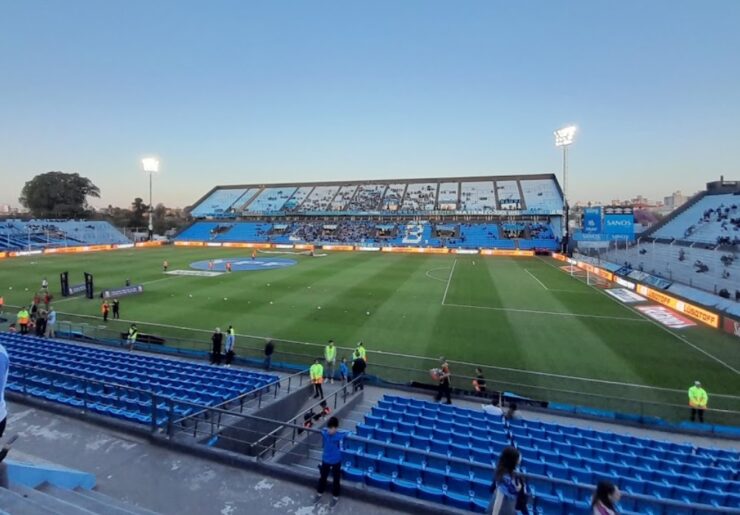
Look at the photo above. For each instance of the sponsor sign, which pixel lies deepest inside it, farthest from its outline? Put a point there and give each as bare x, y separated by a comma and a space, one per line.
625, 295
732, 326
194, 273
416, 250
464, 251
338, 247
188, 243
152, 243
124, 246
303, 246
624, 282
26, 252
700, 314
213, 244
122, 292
502, 252
592, 220
666, 317
283, 246
368, 249
76, 289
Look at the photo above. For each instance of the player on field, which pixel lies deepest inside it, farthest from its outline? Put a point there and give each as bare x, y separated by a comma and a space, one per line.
254, 254
228, 266
165, 265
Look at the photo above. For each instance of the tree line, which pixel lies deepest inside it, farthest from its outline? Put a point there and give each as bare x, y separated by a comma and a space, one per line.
64, 195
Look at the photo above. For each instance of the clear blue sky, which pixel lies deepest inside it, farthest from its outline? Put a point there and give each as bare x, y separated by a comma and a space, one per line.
237, 91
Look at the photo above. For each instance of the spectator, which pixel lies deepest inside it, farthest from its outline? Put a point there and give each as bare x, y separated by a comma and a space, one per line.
230, 341
331, 460
51, 323
4, 369
479, 383
358, 372
217, 340
605, 498
343, 371
330, 356
698, 400
493, 408
317, 378
507, 484
269, 350
443, 376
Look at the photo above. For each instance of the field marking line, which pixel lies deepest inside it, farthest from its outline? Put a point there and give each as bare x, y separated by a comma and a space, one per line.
508, 369
551, 313
661, 326
449, 280
535, 278
428, 272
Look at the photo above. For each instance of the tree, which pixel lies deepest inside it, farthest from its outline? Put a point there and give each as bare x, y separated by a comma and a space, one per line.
139, 212
58, 195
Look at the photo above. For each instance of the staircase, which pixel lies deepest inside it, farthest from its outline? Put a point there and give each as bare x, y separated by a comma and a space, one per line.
48, 499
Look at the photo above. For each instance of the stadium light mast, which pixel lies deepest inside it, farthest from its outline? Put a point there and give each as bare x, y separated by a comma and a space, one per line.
563, 138
151, 166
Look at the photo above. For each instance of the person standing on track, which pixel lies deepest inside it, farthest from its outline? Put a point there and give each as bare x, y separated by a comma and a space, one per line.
133, 334
698, 400
317, 378
165, 266
228, 266
116, 309
269, 351
216, 343
105, 309
51, 323
358, 371
444, 389
230, 341
330, 356
361, 351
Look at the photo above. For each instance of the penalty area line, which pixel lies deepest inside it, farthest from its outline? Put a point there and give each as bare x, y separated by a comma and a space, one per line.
535, 278
449, 280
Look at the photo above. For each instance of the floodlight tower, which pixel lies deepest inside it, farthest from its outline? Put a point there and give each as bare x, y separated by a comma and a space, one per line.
563, 138
151, 166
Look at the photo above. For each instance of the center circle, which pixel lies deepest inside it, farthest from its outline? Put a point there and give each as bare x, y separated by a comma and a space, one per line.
243, 264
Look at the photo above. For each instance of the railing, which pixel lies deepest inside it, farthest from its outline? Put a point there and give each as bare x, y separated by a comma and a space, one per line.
268, 443
644, 401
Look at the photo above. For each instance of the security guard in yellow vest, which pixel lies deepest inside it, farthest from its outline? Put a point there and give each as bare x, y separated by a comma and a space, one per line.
317, 378
698, 400
330, 356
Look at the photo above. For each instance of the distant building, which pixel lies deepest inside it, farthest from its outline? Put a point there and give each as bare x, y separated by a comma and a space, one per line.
675, 200
5, 209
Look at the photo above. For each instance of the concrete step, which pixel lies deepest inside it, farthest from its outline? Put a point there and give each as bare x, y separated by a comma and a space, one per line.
48, 502
16, 503
94, 494
103, 505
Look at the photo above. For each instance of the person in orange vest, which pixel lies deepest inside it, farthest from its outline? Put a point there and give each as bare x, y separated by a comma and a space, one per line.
105, 309
2, 303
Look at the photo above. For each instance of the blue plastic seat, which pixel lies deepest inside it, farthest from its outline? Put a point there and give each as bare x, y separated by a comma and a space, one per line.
382, 476
432, 487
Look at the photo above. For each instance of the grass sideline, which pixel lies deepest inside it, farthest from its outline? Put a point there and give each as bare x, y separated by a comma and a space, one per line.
515, 313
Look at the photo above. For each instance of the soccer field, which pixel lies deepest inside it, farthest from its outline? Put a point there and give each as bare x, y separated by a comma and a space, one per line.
539, 325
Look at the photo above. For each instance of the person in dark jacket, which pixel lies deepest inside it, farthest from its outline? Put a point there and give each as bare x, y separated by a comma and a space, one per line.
217, 340
358, 372
269, 350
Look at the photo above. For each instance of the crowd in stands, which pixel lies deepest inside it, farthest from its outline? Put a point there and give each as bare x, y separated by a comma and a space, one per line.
729, 219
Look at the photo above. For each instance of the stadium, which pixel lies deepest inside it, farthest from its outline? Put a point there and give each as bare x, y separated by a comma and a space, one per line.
349, 258
475, 269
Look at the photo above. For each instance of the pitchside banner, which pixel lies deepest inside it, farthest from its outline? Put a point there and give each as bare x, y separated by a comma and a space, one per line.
592, 220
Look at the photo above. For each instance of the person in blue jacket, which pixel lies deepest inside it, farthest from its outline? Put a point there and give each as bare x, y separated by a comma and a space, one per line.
331, 460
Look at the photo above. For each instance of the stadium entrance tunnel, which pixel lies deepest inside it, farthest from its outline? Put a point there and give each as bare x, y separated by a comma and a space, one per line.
247, 264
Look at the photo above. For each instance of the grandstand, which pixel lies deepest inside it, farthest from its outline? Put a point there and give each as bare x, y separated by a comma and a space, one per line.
407, 210
696, 246
39, 234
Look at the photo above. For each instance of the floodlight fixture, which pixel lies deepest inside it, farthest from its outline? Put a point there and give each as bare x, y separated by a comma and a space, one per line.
565, 136
150, 164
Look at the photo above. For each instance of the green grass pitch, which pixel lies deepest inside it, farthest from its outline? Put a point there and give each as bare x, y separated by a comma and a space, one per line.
523, 314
